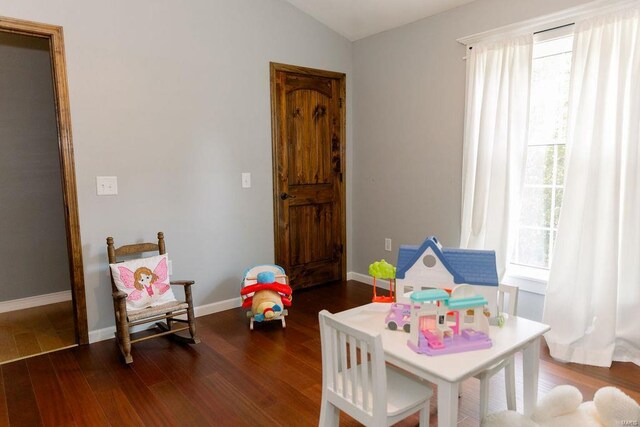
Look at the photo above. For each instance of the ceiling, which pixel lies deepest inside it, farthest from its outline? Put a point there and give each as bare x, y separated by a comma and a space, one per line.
356, 19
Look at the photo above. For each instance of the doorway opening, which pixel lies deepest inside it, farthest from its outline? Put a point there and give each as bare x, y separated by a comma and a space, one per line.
42, 300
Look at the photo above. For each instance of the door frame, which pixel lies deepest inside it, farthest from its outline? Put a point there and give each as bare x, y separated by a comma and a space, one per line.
275, 137
65, 148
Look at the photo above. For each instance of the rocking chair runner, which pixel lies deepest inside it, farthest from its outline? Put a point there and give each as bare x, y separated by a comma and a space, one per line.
168, 312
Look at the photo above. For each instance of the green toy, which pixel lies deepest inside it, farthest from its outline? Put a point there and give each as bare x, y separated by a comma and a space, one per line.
383, 270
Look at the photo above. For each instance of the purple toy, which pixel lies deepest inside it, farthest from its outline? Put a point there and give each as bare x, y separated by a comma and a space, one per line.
399, 317
445, 324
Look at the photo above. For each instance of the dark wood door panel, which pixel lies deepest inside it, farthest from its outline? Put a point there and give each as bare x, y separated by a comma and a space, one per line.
294, 81
308, 194
308, 123
310, 234
308, 137
313, 274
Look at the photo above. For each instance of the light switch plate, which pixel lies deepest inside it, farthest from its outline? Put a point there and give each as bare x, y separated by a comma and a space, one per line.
246, 180
107, 185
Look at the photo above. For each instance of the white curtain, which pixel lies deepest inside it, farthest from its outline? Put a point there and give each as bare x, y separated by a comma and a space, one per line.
593, 296
495, 143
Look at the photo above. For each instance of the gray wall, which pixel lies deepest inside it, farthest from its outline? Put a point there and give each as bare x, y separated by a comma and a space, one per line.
408, 126
173, 98
33, 247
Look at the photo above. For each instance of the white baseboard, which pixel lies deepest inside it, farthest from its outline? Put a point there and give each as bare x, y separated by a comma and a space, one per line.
36, 301
202, 310
380, 283
216, 307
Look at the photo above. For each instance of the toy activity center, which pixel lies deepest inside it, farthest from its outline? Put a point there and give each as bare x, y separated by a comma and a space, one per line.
444, 297
444, 324
432, 266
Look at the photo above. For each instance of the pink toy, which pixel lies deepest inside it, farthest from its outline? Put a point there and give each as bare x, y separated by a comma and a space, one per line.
445, 324
399, 317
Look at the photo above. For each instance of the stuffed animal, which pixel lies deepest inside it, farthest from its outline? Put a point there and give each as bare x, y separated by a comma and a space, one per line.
563, 406
266, 294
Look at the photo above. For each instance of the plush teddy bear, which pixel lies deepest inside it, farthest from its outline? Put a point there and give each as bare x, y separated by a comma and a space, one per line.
563, 407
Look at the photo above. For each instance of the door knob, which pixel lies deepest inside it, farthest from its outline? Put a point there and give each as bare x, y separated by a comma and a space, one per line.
285, 196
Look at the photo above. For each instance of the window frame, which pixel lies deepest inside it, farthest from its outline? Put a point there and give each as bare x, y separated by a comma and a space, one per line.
529, 278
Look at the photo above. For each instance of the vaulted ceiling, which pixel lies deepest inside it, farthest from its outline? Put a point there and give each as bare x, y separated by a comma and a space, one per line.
356, 19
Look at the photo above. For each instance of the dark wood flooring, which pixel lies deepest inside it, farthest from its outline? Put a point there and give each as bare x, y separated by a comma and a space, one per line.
235, 377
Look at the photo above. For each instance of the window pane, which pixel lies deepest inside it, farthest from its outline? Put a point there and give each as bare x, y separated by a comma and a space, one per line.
556, 212
560, 172
533, 248
543, 188
536, 207
539, 168
549, 99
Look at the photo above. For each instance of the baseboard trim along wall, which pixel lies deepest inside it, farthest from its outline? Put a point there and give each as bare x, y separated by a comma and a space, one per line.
35, 301
202, 310
381, 283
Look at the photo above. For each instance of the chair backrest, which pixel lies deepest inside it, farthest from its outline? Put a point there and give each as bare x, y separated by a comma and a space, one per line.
114, 253
512, 292
353, 369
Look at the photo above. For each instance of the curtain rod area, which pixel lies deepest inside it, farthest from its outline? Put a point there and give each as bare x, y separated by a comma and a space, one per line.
551, 21
554, 28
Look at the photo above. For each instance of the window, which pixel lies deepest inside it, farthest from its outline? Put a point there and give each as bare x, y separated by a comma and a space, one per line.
544, 175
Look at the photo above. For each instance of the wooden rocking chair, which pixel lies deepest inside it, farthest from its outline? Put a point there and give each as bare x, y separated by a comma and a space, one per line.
167, 312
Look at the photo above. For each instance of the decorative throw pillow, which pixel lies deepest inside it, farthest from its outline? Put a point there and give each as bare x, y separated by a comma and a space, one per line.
144, 280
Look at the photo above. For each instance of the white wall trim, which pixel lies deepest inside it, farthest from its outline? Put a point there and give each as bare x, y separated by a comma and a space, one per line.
216, 307
545, 22
202, 310
35, 301
381, 283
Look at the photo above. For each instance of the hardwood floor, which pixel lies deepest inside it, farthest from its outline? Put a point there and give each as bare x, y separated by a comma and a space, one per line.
235, 377
36, 330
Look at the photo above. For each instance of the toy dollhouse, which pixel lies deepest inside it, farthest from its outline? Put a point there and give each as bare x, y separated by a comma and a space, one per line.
432, 266
444, 324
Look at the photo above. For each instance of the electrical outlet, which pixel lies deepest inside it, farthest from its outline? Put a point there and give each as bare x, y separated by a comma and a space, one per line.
387, 244
106, 185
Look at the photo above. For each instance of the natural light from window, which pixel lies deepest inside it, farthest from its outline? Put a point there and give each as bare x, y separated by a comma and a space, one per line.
544, 176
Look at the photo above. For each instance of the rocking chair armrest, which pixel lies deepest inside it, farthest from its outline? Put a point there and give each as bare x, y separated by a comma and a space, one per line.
118, 295
182, 282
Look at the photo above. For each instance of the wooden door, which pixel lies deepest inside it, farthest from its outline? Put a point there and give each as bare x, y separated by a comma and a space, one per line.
308, 124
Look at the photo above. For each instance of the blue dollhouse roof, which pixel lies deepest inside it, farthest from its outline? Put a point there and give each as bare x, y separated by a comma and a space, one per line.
471, 266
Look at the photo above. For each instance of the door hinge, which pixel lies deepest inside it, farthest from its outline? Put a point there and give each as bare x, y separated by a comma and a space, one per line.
340, 102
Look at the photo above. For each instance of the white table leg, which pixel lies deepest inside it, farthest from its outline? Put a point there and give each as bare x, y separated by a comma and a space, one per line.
447, 404
530, 367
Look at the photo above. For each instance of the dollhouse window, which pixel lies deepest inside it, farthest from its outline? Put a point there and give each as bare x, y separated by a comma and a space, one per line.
429, 261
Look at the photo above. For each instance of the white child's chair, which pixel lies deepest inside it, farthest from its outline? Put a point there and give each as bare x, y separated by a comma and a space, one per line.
364, 387
508, 363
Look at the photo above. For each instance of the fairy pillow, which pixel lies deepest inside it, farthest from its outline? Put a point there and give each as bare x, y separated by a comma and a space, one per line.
144, 280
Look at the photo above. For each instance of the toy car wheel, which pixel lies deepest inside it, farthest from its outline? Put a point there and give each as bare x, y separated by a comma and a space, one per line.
392, 325
407, 327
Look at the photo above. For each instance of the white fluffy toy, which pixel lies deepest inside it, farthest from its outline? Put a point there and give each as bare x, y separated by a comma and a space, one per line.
563, 407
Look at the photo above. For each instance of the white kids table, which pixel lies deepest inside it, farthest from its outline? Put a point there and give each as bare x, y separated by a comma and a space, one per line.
448, 371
